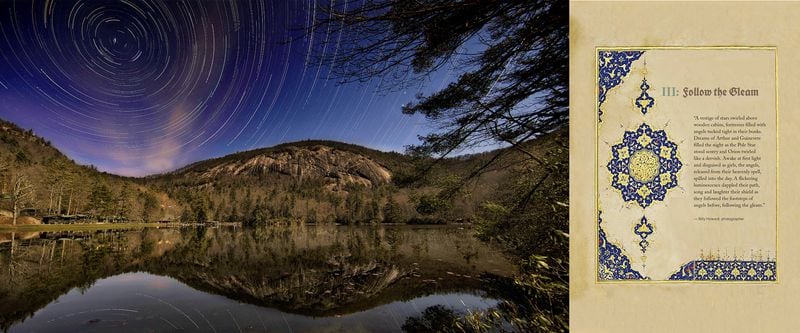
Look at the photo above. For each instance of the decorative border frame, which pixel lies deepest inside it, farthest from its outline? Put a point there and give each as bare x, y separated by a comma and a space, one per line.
619, 66
611, 260
727, 270
598, 123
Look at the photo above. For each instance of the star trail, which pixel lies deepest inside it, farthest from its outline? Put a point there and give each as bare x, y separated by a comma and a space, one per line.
143, 87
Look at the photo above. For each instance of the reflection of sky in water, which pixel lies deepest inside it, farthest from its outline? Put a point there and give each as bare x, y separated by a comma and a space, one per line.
141, 302
317, 278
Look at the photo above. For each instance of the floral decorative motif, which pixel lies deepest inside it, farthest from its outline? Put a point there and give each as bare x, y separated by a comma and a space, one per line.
644, 102
643, 229
612, 263
726, 270
613, 66
644, 166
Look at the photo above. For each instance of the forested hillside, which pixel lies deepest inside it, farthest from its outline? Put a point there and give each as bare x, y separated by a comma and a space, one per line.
324, 181
307, 181
41, 182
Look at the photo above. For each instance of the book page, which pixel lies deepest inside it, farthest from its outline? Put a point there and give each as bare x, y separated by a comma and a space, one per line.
681, 171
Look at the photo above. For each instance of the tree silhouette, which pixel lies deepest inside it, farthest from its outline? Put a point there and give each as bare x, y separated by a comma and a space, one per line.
513, 54
512, 86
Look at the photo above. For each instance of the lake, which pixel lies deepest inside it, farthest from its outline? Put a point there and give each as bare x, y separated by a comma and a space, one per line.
226, 279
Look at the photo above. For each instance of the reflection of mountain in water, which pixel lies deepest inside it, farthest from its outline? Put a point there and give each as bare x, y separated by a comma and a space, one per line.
317, 271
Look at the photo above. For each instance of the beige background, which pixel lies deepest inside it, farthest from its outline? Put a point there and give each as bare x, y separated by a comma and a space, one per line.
679, 237
682, 307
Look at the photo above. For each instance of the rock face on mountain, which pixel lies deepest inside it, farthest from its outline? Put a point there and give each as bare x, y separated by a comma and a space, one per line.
337, 167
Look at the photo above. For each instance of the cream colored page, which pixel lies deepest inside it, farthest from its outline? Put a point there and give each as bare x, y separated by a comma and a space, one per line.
715, 206
688, 306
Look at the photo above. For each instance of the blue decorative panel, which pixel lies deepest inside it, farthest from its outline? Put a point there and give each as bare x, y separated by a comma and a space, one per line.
644, 102
613, 66
612, 263
727, 270
643, 229
644, 166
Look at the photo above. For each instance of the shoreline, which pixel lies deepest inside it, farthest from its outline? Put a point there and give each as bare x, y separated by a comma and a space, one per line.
87, 226
141, 225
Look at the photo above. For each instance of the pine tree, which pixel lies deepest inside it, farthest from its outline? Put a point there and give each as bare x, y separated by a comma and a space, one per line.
100, 200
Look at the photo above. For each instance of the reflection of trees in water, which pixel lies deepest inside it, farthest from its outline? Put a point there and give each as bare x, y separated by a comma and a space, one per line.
516, 302
300, 269
293, 269
39, 269
436, 318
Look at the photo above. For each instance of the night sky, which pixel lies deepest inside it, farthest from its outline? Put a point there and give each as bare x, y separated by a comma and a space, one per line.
142, 87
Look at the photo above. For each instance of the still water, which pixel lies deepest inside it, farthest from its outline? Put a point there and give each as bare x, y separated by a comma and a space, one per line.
288, 279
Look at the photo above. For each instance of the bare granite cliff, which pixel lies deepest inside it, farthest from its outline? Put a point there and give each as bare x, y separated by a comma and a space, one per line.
337, 167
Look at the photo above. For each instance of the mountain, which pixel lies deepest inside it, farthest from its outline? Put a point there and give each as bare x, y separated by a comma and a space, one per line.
339, 167
326, 181
311, 181
315, 181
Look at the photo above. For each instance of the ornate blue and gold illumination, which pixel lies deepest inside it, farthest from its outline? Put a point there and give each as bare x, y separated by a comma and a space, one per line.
643, 229
612, 67
612, 263
727, 270
644, 102
644, 165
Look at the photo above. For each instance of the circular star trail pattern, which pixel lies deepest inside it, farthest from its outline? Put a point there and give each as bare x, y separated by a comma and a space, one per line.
140, 87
